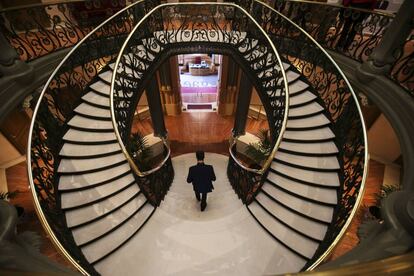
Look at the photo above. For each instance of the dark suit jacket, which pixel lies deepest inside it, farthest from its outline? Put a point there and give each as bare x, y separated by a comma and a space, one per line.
201, 176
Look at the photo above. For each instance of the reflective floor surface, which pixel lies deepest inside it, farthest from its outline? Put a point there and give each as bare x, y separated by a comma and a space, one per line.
180, 240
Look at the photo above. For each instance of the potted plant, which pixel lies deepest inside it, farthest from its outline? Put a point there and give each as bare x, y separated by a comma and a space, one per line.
259, 151
140, 151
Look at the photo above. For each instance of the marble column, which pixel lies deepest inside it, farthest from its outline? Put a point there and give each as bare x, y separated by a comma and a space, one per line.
242, 108
169, 83
230, 75
383, 56
155, 107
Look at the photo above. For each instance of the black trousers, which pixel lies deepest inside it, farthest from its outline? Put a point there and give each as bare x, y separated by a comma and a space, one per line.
203, 198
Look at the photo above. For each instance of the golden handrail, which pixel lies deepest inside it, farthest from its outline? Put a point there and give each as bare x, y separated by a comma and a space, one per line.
256, 171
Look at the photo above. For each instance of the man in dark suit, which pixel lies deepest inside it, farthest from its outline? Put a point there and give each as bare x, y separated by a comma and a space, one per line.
201, 176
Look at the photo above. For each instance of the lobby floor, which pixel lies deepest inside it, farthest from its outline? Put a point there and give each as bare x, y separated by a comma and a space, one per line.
179, 239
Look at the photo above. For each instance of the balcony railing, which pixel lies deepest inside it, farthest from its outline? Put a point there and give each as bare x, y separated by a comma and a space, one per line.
352, 32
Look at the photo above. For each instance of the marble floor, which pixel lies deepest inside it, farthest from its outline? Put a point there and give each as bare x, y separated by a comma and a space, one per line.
180, 240
187, 80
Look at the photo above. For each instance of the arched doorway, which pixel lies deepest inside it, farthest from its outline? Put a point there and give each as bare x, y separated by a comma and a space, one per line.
199, 77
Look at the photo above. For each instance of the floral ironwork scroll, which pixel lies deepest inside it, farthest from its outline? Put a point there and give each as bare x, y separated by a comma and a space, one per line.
38, 30
402, 70
352, 32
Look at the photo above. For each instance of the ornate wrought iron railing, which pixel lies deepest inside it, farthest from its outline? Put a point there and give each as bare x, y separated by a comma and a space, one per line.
402, 70
54, 109
39, 29
341, 105
214, 26
352, 32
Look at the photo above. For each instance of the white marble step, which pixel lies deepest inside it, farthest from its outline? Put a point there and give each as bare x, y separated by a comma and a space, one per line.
292, 76
97, 99
101, 86
315, 162
93, 230
90, 110
67, 182
310, 209
330, 179
73, 199
297, 86
314, 121
75, 135
306, 226
106, 76
108, 243
297, 242
286, 66
309, 135
312, 148
86, 123
81, 165
301, 98
90, 212
310, 108
88, 150
105, 88
311, 192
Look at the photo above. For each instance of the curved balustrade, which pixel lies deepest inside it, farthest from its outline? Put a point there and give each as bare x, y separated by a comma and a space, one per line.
61, 94
341, 107
402, 70
170, 28
40, 29
158, 31
352, 32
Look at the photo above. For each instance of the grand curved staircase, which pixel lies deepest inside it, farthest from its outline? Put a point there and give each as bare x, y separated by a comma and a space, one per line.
100, 198
94, 203
297, 200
